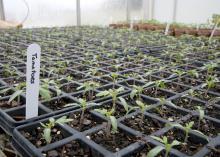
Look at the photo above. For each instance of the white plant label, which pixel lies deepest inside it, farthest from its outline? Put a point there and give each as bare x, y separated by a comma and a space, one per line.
131, 24
197, 27
111, 20
167, 29
213, 31
32, 80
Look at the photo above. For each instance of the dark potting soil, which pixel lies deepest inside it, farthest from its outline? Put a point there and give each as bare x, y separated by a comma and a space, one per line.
70, 88
148, 126
88, 96
119, 111
167, 113
72, 149
152, 92
115, 142
6, 105
203, 96
176, 87
213, 111
187, 103
208, 127
89, 121
162, 74
142, 152
58, 104
14, 80
52, 95
8, 93
76, 76
215, 152
214, 89
192, 146
36, 138
188, 81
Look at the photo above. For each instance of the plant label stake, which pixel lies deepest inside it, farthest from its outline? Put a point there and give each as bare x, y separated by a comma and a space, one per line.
111, 20
167, 29
213, 31
131, 24
32, 80
197, 27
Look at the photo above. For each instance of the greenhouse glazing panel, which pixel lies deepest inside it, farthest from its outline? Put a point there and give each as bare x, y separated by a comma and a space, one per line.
42, 13
103, 12
137, 9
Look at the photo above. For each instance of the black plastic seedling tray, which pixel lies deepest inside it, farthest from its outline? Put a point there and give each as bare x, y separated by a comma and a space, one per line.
137, 58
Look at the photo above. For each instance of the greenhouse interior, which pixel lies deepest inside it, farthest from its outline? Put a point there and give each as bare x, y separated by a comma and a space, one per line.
109, 78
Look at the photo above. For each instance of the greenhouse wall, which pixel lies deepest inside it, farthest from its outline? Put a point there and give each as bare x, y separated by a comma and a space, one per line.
103, 12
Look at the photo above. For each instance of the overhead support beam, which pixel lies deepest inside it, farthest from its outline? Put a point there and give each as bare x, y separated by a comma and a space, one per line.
152, 9
128, 14
2, 12
175, 4
78, 13
151, 6
145, 9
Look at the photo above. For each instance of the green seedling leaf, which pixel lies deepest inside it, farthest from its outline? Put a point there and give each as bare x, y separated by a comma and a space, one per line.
63, 120
139, 103
45, 93
114, 124
3, 91
174, 125
201, 134
148, 84
133, 93
102, 111
201, 112
14, 95
47, 135
204, 85
155, 151
190, 124
103, 93
72, 104
52, 121
80, 87
124, 103
175, 143
120, 89
43, 125
171, 104
158, 139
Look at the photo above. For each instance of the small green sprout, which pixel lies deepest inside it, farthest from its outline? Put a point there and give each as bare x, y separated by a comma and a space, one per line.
138, 90
143, 107
111, 92
51, 124
89, 86
155, 151
201, 115
83, 104
112, 126
193, 73
187, 128
159, 84
127, 107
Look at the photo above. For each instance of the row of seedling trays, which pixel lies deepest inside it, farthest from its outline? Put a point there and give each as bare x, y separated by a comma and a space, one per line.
131, 134
115, 109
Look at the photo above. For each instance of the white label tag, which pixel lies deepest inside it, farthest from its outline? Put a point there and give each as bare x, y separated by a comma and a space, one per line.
213, 32
197, 27
131, 24
167, 29
32, 80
